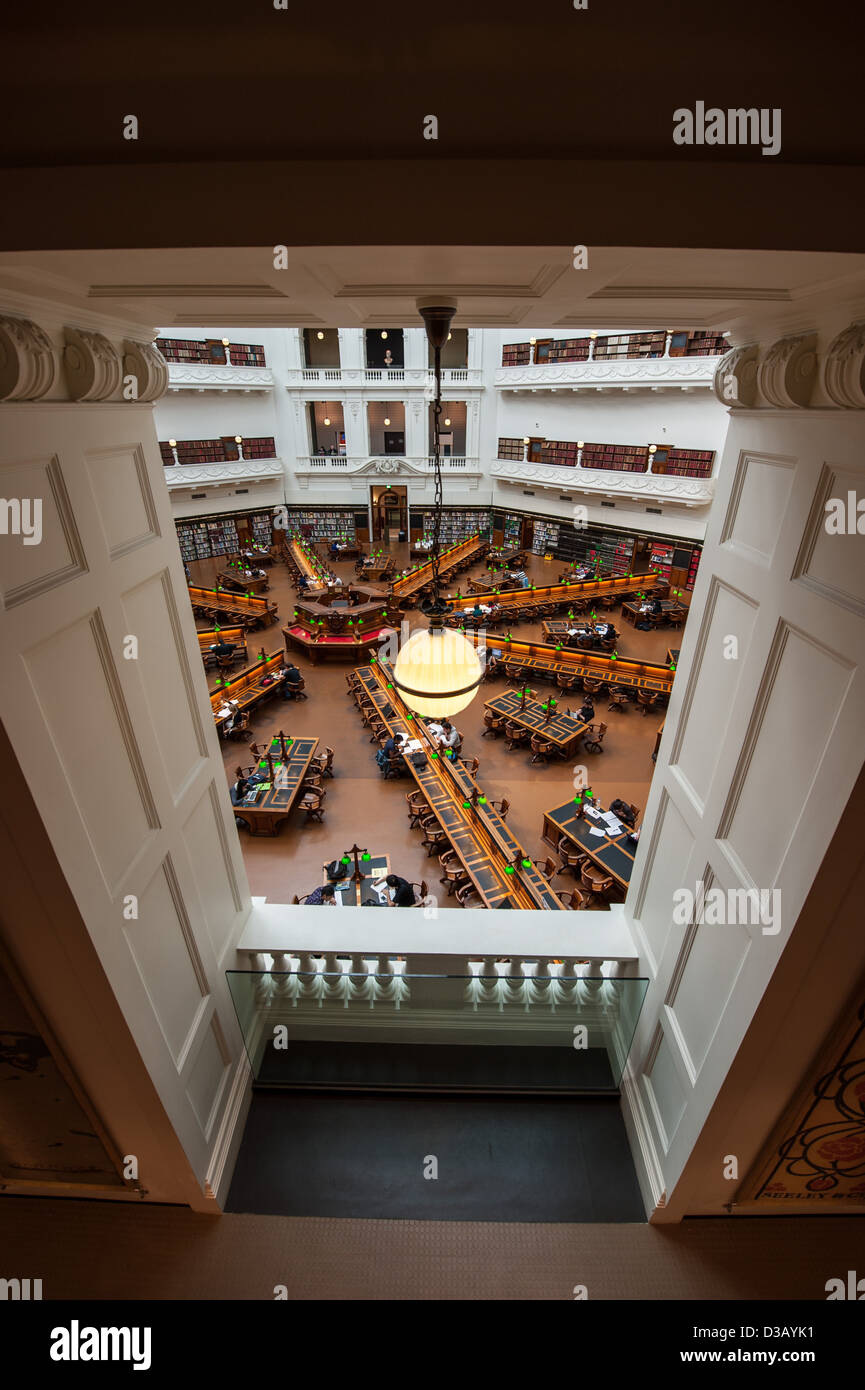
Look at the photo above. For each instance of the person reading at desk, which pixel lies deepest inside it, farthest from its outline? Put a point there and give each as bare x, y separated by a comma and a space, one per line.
449, 736
400, 891
223, 648
623, 811
293, 679
393, 745
324, 896
230, 712
586, 712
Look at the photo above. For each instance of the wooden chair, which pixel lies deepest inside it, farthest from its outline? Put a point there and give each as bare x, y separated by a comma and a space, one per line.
324, 762
565, 682
495, 723
515, 735
572, 858
591, 684
421, 891
312, 803
296, 899
677, 617
471, 765
618, 698
517, 675
468, 896
454, 873
295, 690
376, 730
542, 749
647, 700
395, 766
594, 737
572, 899
608, 601
417, 806
502, 807
657, 620
595, 881
547, 868
434, 839
241, 729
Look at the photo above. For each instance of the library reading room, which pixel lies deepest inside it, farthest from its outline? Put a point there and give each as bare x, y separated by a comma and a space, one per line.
431, 732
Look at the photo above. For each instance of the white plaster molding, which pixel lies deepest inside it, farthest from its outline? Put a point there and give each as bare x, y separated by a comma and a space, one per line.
844, 368
92, 365
461, 466
186, 376
735, 379
145, 362
648, 486
28, 366
653, 371
184, 475
788, 372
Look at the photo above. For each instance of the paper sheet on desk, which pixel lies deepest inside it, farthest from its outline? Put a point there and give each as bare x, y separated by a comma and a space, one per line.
590, 811
595, 831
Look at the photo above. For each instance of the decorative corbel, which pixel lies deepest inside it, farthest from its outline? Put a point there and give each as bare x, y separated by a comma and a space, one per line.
92, 365
28, 365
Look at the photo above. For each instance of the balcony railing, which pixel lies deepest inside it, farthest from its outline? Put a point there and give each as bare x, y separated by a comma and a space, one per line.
353, 377
220, 474
390, 464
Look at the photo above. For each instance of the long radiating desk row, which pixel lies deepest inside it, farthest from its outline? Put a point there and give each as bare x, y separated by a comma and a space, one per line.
563, 593
545, 660
494, 860
458, 557
556, 727
249, 687
308, 563
250, 612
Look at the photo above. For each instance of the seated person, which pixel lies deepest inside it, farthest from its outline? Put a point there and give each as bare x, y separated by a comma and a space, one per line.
302, 582
393, 745
334, 548
230, 711
655, 606
586, 712
293, 678
356, 599
523, 579
239, 790
623, 811
325, 896
401, 891
221, 648
449, 736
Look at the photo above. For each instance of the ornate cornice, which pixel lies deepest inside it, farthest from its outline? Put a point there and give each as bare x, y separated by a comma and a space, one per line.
692, 492
788, 371
28, 365
792, 374
844, 368
92, 365
149, 369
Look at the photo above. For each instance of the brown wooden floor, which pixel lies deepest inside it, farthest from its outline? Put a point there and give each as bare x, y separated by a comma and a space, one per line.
361, 807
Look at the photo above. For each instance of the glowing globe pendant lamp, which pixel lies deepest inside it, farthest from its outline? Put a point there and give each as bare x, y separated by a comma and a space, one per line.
438, 670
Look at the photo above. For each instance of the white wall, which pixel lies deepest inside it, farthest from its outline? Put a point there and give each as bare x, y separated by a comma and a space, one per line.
684, 419
759, 757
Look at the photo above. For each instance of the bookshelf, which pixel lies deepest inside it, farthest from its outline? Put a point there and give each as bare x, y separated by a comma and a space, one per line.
661, 560
705, 345
218, 535
692, 570
513, 529
456, 525
263, 447
690, 463
516, 354
568, 350
546, 537
246, 355
324, 523
200, 451
555, 452
512, 449
623, 458
622, 345
182, 350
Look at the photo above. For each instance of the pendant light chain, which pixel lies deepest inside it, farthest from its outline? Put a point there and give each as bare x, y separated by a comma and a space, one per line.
438, 498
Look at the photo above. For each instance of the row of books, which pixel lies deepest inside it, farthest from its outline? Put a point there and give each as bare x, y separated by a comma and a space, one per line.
324, 524
456, 525
683, 343
217, 450
211, 350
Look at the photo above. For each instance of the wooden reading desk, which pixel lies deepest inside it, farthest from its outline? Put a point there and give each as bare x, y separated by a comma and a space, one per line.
245, 580
612, 853
560, 729
547, 661
631, 611
494, 860
215, 603
247, 688
288, 760
560, 593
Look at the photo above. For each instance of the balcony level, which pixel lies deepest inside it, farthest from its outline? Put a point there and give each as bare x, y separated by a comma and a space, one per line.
605, 482
392, 467
214, 364
618, 374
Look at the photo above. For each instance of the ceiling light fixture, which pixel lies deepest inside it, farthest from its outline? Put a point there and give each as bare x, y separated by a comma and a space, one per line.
319, 335
438, 671
384, 333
